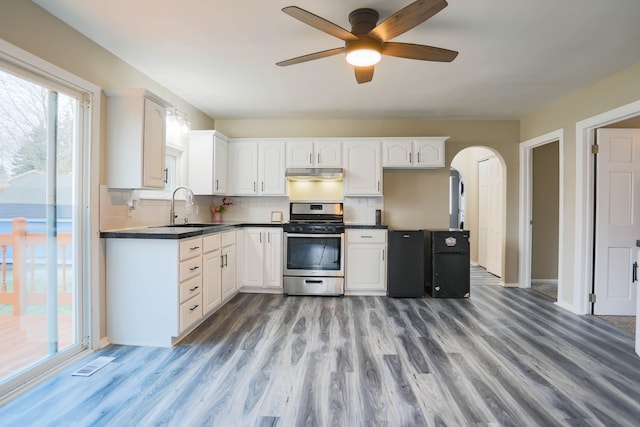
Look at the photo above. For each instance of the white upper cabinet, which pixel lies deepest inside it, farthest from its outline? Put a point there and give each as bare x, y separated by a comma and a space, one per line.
243, 167
362, 168
207, 162
409, 153
256, 168
136, 139
307, 153
271, 168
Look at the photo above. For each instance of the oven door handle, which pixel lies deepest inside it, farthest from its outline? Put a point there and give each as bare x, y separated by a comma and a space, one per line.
296, 235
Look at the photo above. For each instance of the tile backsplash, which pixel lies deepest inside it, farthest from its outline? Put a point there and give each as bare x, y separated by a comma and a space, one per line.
125, 209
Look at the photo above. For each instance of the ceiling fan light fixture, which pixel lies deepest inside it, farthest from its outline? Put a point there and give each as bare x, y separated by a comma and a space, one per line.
362, 53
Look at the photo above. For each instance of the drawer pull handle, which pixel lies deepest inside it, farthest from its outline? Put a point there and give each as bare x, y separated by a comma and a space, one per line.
311, 281
194, 307
194, 268
367, 237
194, 288
194, 248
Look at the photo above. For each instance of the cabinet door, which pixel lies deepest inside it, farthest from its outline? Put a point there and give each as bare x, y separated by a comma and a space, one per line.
211, 292
220, 166
239, 259
243, 167
272, 168
153, 173
397, 153
228, 271
429, 153
366, 268
300, 154
253, 256
273, 258
328, 154
363, 168
200, 162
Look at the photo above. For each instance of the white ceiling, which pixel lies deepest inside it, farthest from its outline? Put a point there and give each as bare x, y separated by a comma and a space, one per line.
515, 56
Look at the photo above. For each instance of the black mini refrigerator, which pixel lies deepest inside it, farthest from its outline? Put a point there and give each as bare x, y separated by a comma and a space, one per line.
448, 271
406, 264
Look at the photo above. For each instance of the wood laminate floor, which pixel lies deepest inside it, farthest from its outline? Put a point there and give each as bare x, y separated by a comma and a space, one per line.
502, 357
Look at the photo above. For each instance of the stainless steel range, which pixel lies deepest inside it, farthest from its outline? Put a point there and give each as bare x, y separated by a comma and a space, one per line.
314, 249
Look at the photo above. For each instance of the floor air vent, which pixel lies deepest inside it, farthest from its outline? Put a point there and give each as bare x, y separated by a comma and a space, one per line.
93, 367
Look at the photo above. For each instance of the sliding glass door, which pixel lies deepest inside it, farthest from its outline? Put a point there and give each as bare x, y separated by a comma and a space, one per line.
41, 301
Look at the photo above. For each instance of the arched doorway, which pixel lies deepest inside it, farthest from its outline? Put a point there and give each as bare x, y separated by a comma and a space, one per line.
484, 173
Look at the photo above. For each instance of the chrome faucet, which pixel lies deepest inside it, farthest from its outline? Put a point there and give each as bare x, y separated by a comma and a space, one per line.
173, 216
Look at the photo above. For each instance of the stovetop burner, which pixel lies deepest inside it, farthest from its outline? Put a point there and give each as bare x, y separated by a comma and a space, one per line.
315, 217
314, 227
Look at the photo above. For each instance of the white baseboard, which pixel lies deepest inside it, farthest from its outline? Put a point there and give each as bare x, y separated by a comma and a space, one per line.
544, 281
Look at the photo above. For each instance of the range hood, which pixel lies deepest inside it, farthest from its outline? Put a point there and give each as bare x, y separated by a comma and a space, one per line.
314, 174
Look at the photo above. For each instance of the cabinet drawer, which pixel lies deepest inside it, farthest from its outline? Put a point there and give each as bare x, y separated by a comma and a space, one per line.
190, 248
210, 243
190, 288
190, 312
228, 238
190, 268
366, 236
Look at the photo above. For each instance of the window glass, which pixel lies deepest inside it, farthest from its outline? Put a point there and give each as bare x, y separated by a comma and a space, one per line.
39, 239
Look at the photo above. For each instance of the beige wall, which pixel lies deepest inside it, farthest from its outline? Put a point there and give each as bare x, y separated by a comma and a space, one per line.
615, 91
544, 234
416, 199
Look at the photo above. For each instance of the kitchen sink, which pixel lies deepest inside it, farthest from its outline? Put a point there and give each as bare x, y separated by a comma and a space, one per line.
187, 225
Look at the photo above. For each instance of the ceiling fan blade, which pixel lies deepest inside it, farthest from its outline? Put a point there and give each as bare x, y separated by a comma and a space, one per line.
311, 57
407, 18
364, 74
319, 23
418, 51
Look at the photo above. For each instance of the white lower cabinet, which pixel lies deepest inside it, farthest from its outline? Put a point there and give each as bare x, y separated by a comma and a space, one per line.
211, 272
228, 269
366, 262
262, 258
159, 290
219, 269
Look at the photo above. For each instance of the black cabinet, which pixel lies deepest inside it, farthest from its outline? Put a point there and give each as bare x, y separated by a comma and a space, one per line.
448, 271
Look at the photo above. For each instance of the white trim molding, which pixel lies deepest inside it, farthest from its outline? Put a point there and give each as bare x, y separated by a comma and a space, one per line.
583, 245
525, 208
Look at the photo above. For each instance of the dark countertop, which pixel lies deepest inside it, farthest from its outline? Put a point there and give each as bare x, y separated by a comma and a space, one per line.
382, 227
180, 232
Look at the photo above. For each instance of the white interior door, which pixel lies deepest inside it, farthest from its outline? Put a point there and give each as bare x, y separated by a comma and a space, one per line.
490, 184
617, 220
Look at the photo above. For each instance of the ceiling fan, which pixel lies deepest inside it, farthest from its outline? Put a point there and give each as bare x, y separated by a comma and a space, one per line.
367, 42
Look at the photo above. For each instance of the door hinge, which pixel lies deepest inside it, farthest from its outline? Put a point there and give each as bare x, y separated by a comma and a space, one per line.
595, 149
592, 298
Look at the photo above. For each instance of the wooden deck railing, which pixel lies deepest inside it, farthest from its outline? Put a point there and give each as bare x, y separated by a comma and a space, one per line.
25, 289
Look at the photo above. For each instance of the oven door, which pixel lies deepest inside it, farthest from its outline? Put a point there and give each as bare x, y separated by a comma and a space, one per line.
320, 255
